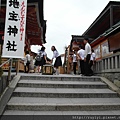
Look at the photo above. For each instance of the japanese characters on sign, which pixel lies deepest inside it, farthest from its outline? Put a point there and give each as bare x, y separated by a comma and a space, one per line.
14, 36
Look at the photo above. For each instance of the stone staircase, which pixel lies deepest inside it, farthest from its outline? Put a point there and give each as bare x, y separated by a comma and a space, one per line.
62, 95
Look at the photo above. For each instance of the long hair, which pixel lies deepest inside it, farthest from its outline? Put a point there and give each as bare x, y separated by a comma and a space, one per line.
54, 48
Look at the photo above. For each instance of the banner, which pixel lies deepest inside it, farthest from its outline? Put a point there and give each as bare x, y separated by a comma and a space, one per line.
14, 36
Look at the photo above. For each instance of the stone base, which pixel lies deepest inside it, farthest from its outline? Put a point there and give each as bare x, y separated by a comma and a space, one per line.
117, 83
113, 77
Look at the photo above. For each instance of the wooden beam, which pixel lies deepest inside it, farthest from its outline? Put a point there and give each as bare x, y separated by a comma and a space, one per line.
111, 16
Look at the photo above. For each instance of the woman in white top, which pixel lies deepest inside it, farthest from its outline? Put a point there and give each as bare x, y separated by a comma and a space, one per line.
58, 61
74, 56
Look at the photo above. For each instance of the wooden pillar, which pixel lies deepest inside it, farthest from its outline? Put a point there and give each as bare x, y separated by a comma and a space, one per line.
17, 66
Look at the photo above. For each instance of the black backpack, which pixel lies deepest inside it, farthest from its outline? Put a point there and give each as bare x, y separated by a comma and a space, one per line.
39, 57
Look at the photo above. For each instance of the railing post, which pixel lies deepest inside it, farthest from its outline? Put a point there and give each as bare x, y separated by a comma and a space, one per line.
112, 63
108, 63
102, 64
98, 67
116, 62
119, 61
105, 64
10, 68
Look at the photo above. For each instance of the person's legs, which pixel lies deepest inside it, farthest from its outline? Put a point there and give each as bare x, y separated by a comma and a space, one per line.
57, 71
87, 65
38, 69
74, 67
91, 64
58, 62
82, 67
25, 68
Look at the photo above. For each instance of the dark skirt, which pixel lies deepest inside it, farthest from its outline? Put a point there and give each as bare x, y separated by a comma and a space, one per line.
58, 62
40, 63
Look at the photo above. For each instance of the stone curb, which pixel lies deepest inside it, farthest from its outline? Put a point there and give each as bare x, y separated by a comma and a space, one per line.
8, 93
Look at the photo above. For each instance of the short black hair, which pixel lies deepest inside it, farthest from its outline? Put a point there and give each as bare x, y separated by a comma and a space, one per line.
92, 50
80, 46
86, 39
43, 48
27, 52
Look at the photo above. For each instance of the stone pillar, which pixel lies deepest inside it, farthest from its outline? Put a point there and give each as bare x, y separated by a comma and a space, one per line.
119, 61
102, 65
116, 62
108, 63
112, 61
105, 64
97, 67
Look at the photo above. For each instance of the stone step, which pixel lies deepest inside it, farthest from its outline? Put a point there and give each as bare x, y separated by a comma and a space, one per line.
63, 104
60, 84
63, 93
61, 78
20, 100
63, 107
34, 113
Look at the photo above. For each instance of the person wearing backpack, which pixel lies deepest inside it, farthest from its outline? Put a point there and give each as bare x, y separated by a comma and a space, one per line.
40, 59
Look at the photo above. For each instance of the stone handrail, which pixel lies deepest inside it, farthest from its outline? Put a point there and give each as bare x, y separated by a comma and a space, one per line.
108, 64
5, 62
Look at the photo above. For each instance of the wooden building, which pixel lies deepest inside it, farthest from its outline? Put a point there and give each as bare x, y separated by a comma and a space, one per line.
105, 31
35, 24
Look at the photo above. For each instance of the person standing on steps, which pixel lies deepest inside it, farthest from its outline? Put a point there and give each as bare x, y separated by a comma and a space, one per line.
92, 58
87, 55
41, 59
80, 55
74, 56
58, 61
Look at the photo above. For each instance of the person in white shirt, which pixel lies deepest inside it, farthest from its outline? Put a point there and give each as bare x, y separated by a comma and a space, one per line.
27, 61
87, 55
92, 59
57, 57
80, 55
74, 56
